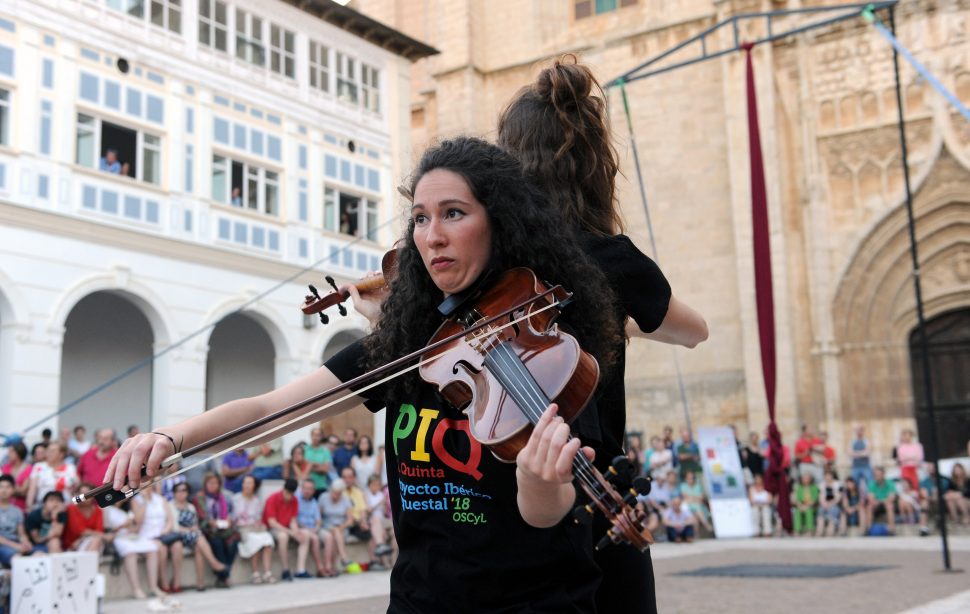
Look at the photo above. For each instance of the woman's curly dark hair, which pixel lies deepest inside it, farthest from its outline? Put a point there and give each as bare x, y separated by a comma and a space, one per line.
526, 231
559, 128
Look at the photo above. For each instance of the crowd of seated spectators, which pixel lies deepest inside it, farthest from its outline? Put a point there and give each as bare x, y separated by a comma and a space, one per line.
826, 499
333, 492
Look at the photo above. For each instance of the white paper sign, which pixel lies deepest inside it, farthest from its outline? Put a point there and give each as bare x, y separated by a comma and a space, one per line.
724, 482
57, 583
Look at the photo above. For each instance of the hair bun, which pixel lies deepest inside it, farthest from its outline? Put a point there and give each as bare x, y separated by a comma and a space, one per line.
566, 84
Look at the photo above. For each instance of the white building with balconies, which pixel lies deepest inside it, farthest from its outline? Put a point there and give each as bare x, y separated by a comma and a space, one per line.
172, 174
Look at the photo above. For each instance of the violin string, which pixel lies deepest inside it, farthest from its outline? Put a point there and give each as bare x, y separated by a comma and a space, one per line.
486, 342
580, 461
520, 382
296, 419
583, 465
524, 378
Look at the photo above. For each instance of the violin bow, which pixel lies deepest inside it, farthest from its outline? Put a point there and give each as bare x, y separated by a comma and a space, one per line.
105, 495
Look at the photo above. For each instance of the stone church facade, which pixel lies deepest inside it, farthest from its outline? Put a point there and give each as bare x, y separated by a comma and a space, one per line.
843, 286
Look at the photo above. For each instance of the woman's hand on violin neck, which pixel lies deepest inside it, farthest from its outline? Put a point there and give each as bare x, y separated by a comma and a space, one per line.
144, 449
544, 471
548, 455
369, 307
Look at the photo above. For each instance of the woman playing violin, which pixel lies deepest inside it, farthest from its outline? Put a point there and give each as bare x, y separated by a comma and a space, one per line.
559, 129
475, 534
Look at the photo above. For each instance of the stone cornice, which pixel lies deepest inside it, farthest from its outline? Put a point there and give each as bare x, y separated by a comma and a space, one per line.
83, 230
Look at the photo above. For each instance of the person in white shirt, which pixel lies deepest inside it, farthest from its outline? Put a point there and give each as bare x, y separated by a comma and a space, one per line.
679, 522
79, 444
658, 460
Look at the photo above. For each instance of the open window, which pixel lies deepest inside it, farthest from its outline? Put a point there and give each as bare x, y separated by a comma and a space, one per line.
118, 150
245, 185
349, 214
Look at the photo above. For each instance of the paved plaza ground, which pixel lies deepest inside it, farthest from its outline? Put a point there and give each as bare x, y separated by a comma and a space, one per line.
909, 579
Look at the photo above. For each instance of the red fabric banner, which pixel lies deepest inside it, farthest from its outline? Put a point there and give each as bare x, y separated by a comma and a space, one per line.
775, 480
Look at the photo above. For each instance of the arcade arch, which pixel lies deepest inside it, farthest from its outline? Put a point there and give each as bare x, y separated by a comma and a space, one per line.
106, 334
241, 360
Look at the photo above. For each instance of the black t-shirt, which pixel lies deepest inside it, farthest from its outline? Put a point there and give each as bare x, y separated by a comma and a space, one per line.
36, 520
642, 293
463, 545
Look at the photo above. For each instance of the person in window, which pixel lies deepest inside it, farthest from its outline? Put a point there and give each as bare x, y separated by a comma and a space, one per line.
110, 163
345, 223
236, 199
348, 218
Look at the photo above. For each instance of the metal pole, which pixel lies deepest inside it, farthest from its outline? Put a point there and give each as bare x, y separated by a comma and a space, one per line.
653, 242
921, 322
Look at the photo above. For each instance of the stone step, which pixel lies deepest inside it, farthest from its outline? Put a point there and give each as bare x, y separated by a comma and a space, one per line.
117, 586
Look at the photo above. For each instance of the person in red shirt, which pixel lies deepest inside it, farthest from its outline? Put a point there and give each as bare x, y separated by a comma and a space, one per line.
279, 514
93, 464
827, 451
84, 529
808, 453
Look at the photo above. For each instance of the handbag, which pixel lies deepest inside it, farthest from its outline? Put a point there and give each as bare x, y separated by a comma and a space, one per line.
170, 538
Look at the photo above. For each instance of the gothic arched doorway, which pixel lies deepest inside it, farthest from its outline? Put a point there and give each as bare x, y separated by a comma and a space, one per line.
948, 341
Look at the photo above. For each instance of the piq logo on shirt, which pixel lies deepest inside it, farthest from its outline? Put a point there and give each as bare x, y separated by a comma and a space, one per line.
427, 446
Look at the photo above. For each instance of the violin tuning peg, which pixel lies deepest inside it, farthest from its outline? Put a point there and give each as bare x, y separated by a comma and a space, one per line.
582, 514
341, 309
642, 485
621, 472
330, 281
313, 291
606, 540
621, 464
630, 498
324, 318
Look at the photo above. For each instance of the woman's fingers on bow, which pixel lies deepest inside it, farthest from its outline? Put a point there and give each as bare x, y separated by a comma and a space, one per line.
119, 465
130, 458
160, 451
109, 475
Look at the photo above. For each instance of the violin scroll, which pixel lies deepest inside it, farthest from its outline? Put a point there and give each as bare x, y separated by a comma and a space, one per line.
628, 522
314, 303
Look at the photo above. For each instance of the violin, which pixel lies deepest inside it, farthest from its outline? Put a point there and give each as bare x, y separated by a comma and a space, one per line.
314, 303
504, 377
